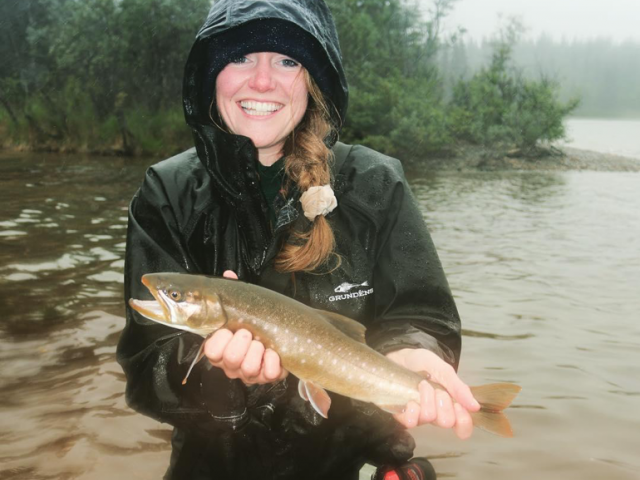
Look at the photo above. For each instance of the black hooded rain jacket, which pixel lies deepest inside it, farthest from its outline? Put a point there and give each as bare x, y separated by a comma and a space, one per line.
202, 212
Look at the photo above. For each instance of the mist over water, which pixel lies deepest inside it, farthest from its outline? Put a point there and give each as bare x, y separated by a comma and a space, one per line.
545, 270
618, 137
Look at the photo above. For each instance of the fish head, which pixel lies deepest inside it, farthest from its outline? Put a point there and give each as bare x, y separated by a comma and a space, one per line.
182, 302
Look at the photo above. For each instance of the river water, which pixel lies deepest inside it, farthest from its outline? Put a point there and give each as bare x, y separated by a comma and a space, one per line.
545, 268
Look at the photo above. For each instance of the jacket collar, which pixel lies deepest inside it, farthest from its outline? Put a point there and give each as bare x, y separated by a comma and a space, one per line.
231, 162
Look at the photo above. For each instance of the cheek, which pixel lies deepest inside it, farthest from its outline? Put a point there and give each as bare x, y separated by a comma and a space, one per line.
300, 102
224, 83
225, 88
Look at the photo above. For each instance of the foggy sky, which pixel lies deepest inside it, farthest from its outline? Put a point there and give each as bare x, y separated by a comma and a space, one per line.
618, 20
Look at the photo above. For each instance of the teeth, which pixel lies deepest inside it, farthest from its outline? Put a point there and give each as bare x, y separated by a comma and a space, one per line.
260, 108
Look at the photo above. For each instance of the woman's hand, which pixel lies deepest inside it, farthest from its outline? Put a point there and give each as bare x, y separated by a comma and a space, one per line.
446, 409
240, 356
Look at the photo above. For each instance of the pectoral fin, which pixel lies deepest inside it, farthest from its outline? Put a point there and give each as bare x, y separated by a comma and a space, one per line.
199, 357
316, 395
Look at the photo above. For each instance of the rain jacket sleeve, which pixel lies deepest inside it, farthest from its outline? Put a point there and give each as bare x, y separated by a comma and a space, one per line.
154, 357
414, 307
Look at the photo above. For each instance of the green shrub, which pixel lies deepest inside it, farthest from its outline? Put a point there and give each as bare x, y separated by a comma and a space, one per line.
499, 108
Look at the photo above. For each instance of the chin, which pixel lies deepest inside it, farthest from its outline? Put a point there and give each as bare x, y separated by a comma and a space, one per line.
265, 143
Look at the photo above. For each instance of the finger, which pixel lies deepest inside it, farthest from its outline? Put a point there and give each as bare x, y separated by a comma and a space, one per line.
215, 345
409, 418
252, 362
459, 391
230, 274
236, 350
464, 423
428, 412
446, 417
272, 368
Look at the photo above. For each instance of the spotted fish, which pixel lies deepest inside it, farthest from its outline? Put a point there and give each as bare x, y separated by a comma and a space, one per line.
325, 350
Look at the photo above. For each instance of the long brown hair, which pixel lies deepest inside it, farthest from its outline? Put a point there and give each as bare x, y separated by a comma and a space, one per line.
307, 164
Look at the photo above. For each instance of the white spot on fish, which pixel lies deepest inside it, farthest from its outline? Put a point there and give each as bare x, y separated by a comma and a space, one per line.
334, 361
343, 368
321, 362
319, 346
284, 349
295, 339
286, 330
301, 350
241, 320
308, 340
275, 329
303, 361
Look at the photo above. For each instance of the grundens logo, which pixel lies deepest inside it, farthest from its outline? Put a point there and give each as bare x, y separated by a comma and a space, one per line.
344, 291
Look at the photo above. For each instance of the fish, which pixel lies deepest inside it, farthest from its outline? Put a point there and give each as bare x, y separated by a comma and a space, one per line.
346, 287
324, 350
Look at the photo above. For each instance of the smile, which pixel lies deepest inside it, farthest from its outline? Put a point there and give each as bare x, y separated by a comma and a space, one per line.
260, 108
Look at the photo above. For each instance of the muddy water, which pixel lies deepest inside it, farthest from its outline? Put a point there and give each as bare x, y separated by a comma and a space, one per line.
545, 267
62, 411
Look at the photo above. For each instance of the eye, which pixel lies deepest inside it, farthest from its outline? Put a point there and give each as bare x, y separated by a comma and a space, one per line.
175, 295
289, 62
239, 60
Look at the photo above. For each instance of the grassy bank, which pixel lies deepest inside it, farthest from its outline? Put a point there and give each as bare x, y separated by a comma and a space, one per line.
134, 133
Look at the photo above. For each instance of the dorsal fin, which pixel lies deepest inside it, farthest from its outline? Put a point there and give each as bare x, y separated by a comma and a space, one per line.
346, 325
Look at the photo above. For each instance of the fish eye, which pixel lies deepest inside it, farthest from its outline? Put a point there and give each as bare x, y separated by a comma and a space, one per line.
175, 295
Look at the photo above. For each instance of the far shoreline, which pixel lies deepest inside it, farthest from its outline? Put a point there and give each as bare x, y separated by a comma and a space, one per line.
462, 158
474, 158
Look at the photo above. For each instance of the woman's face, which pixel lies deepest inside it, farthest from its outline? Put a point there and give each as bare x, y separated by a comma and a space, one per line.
262, 96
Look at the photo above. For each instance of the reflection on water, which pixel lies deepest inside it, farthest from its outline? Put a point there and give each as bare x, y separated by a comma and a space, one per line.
545, 268
548, 262
62, 407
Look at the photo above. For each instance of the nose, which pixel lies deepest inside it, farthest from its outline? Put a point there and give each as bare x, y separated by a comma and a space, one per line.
262, 79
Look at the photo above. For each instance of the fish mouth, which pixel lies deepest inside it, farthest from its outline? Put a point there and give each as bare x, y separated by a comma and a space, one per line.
157, 309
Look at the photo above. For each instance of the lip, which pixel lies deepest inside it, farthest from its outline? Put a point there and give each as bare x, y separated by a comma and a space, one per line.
259, 117
153, 309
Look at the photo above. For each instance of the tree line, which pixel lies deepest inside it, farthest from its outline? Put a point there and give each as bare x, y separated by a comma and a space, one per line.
604, 74
105, 75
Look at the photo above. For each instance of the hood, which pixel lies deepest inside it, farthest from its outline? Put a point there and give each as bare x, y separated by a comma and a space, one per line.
231, 159
311, 16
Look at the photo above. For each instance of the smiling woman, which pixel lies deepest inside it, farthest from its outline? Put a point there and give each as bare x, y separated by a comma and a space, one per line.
270, 197
262, 96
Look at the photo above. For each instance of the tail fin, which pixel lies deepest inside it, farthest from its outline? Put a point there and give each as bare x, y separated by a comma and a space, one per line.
494, 398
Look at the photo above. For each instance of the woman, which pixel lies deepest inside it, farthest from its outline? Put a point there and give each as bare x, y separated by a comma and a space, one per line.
269, 197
